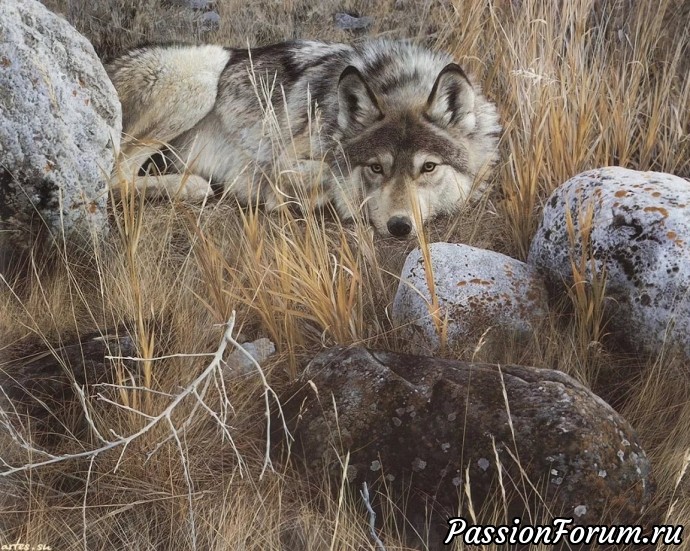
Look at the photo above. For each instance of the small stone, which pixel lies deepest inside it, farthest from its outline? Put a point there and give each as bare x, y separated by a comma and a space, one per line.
260, 350
209, 21
347, 22
201, 5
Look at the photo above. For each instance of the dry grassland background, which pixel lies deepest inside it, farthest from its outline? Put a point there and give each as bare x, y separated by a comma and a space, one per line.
579, 84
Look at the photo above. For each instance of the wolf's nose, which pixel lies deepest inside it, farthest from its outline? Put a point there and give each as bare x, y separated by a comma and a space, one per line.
399, 226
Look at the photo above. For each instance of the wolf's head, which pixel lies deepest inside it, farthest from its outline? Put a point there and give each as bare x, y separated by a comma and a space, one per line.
415, 138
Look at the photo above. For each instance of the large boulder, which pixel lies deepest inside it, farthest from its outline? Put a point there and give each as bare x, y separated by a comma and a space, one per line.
636, 227
37, 400
422, 422
477, 290
60, 125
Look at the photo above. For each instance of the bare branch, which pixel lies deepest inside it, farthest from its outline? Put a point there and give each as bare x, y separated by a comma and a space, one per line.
124, 441
364, 492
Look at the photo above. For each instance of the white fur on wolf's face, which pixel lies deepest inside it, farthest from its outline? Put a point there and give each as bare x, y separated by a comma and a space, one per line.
412, 156
407, 170
427, 189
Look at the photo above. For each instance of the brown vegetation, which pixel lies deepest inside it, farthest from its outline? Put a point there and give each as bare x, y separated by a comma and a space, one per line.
579, 85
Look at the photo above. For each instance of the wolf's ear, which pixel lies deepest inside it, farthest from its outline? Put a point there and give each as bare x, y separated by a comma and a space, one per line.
451, 102
357, 104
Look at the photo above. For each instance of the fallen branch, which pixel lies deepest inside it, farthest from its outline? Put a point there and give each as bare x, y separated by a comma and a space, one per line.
197, 389
364, 492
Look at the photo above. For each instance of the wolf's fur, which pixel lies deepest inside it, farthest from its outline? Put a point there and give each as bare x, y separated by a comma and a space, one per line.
389, 127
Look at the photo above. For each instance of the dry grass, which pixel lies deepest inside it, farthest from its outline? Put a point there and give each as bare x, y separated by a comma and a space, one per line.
579, 84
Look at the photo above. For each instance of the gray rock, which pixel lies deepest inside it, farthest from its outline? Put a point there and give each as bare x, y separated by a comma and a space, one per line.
37, 395
476, 289
42, 379
347, 22
209, 21
420, 422
201, 5
60, 125
640, 238
260, 350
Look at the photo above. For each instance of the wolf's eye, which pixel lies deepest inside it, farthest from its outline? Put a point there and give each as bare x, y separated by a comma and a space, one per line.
428, 166
376, 168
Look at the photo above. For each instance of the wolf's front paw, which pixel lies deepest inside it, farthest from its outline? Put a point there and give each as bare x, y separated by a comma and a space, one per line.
192, 187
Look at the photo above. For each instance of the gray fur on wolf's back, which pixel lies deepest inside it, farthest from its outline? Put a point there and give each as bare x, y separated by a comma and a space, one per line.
210, 104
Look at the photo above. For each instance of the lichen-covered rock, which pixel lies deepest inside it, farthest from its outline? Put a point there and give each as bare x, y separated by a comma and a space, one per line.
38, 383
422, 422
640, 240
60, 124
476, 290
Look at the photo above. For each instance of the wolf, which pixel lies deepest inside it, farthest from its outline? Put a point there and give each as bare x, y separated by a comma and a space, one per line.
388, 129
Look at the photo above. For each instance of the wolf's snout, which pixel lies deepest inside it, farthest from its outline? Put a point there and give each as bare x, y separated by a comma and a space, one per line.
399, 226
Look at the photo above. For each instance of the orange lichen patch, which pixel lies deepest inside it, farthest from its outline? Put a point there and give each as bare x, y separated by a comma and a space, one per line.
671, 235
616, 204
49, 166
478, 281
660, 210
462, 283
656, 194
93, 207
5, 62
622, 193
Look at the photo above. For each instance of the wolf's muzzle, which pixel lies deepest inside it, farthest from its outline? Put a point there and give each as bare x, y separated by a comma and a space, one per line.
399, 226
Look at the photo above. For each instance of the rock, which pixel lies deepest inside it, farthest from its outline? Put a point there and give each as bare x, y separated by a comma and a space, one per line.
37, 399
42, 379
422, 422
60, 125
640, 238
201, 5
209, 21
476, 289
260, 350
347, 22
46, 371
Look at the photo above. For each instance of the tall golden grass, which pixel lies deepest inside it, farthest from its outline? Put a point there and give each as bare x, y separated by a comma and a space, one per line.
579, 85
